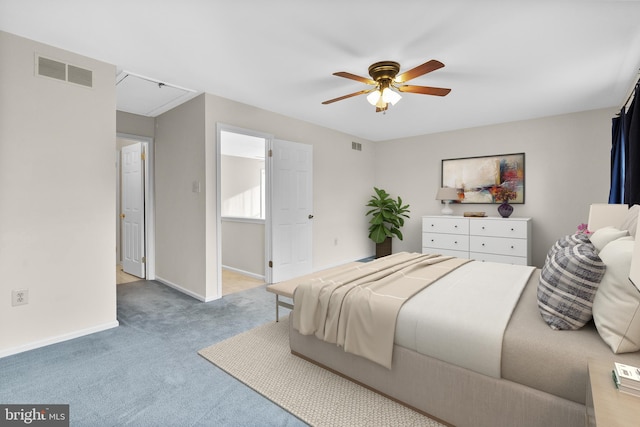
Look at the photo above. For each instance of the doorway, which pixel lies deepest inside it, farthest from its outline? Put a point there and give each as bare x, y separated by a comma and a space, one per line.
135, 255
242, 208
266, 219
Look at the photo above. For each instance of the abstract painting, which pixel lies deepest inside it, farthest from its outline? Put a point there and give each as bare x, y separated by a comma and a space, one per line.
481, 179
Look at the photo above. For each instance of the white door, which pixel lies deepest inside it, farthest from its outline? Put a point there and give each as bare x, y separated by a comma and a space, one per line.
291, 209
132, 210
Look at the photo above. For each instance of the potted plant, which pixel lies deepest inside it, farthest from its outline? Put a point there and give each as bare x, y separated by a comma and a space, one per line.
387, 218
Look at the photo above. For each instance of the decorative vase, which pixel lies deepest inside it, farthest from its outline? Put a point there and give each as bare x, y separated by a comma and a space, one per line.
505, 209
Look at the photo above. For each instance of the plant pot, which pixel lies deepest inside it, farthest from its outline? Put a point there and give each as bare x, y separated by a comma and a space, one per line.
505, 210
384, 248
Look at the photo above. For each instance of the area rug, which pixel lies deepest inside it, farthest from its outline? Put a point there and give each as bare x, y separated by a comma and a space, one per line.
261, 359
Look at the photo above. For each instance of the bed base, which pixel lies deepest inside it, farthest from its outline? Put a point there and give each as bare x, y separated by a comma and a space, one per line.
459, 396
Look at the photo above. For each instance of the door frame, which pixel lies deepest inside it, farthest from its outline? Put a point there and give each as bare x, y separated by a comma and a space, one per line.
149, 201
267, 222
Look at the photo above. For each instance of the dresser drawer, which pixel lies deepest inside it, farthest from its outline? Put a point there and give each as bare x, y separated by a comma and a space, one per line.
499, 228
445, 225
505, 259
455, 242
498, 245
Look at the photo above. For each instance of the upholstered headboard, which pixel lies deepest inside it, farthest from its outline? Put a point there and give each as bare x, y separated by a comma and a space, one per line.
621, 217
603, 215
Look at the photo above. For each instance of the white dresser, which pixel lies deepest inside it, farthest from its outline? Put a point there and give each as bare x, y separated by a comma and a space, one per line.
494, 239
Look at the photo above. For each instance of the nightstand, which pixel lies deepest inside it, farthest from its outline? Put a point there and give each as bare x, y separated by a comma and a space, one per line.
606, 406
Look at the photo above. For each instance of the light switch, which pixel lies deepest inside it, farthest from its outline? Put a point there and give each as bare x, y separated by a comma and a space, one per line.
195, 187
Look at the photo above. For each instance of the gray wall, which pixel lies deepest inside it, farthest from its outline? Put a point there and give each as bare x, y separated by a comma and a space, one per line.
57, 193
567, 169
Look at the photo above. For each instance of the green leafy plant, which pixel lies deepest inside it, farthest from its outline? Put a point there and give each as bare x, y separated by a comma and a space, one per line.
388, 216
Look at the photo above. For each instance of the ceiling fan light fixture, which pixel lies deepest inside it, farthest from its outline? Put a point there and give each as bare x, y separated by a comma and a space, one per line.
385, 80
390, 97
374, 97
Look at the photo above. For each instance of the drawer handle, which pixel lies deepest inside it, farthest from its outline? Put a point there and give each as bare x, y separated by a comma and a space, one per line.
511, 247
512, 229
455, 243
455, 226
483, 227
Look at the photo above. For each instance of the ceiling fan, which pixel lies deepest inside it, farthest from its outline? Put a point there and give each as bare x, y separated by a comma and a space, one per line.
385, 77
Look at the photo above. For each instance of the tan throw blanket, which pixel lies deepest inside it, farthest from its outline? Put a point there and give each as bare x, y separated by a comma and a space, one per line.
356, 308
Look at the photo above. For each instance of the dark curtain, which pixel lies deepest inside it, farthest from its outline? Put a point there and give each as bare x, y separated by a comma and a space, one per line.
632, 170
618, 157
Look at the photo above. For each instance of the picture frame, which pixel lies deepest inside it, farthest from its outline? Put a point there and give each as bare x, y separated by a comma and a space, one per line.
479, 179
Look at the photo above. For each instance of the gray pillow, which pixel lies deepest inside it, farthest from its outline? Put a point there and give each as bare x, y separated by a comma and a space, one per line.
566, 241
568, 284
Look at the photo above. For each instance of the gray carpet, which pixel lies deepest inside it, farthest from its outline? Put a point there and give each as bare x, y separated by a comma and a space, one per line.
261, 358
147, 371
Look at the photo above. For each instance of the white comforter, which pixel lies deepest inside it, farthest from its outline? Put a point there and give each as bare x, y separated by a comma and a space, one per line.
462, 317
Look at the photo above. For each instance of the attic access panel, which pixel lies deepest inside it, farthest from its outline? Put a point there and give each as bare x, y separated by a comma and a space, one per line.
148, 97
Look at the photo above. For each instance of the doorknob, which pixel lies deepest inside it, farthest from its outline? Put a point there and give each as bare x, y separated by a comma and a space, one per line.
310, 216
122, 215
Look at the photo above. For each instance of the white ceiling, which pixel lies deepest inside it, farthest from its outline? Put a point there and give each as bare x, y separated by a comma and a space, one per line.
504, 60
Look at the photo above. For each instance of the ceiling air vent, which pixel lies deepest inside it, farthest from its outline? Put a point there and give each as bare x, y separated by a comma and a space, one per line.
65, 72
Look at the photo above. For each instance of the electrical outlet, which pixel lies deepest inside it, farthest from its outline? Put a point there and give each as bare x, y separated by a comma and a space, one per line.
20, 297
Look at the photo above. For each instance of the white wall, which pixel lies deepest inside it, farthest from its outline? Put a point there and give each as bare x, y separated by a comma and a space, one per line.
186, 230
243, 242
134, 124
342, 178
181, 254
566, 169
57, 198
241, 191
243, 247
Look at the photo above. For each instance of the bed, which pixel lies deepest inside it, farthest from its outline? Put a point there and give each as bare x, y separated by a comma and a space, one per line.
537, 375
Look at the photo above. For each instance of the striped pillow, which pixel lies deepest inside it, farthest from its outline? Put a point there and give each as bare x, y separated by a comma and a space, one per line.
568, 284
567, 241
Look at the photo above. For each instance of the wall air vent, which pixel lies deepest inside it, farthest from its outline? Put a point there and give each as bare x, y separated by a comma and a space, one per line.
356, 146
50, 68
60, 71
80, 76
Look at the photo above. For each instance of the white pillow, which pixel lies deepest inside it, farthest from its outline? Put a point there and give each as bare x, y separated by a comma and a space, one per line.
604, 235
631, 220
616, 306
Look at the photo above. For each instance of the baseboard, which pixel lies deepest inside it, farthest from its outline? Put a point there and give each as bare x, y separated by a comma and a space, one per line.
243, 272
183, 290
58, 339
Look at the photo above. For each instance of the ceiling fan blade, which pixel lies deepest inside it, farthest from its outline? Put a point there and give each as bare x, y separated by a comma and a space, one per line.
362, 92
354, 77
425, 68
425, 90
